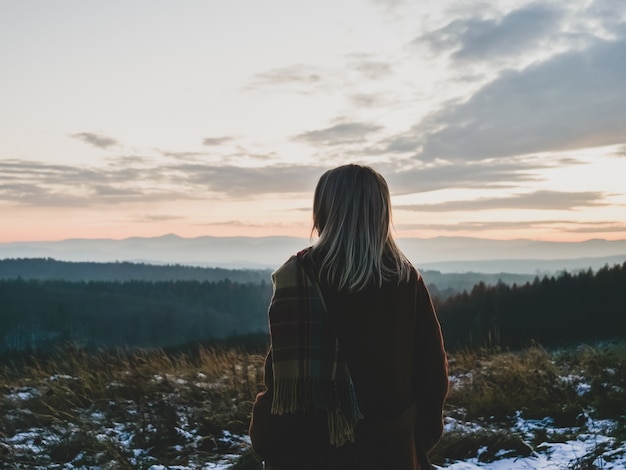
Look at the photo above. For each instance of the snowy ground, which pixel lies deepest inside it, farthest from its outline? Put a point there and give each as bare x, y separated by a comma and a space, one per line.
586, 447
100, 437
104, 436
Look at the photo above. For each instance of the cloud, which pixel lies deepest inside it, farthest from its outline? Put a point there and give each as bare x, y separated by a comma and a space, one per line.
292, 73
233, 155
96, 140
389, 3
487, 39
368, 100
21, 191
43, 184
299, 78
108, 191
306, 79
184, 155
245, 182
606, 14
573, 100
419, 179
242, 153
621, 152
570, 226
34, 183
598, 227
158, 218
215, 141
339, 134
128, 160
38, 183
368, 67
541, 200
270, 224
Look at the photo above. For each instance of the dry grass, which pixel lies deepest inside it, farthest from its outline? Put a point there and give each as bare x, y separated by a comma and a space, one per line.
132, 409
494, 389
485, 444
155, 407
605, 367
499, 385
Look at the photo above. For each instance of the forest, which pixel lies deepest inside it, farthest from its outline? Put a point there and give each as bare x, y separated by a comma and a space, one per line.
552, 311
41, 314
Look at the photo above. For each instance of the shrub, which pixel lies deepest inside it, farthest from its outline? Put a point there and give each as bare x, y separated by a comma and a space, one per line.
500, 385
486, 444
605, 365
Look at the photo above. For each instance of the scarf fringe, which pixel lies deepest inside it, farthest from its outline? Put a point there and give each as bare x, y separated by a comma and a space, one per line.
341, 428
337, 399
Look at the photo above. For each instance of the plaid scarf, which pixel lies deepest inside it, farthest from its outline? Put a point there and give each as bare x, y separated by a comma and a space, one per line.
309, 372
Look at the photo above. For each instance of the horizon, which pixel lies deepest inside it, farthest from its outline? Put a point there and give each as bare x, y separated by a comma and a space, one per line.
172, 234
499, 122
442, 253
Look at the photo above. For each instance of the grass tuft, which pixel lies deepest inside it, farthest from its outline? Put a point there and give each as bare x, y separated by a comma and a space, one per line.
501, 384
487, 445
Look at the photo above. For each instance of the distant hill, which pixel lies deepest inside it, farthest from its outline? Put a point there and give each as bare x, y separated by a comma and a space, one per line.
223, 252
45, 269
443, 285
446, 254
524, 266
462, 254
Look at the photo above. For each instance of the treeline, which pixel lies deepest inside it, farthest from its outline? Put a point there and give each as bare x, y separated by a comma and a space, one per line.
39, 315
442, 285
50, 269
552, 311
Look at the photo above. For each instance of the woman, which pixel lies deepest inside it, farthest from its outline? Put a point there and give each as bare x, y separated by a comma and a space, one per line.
356, 375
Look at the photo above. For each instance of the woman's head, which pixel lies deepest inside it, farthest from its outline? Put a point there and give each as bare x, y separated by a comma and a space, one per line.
351, 197
352, 216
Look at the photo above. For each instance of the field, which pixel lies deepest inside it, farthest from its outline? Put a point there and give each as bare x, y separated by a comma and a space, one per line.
153, 410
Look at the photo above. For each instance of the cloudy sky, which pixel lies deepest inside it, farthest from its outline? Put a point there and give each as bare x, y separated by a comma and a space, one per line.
489, 119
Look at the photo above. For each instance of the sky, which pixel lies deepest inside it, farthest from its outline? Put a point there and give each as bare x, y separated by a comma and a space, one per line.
499, 120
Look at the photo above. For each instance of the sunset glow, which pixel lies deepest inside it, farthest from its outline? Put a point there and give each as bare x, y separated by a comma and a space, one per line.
496, 120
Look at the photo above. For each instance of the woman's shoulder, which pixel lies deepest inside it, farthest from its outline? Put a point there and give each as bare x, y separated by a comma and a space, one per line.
288, 270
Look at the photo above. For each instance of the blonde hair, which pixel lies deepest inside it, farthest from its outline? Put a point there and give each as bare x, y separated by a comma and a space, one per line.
352, 216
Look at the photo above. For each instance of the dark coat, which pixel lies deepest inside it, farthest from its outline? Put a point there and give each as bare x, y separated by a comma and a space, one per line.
391, 340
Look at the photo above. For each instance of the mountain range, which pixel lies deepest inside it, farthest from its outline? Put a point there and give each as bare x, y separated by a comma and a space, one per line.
446, 254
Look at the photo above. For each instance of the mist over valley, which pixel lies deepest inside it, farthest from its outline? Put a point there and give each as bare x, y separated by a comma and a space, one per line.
445, 254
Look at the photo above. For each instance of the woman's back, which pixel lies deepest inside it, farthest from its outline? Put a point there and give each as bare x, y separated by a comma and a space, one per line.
375, 328
356, 375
